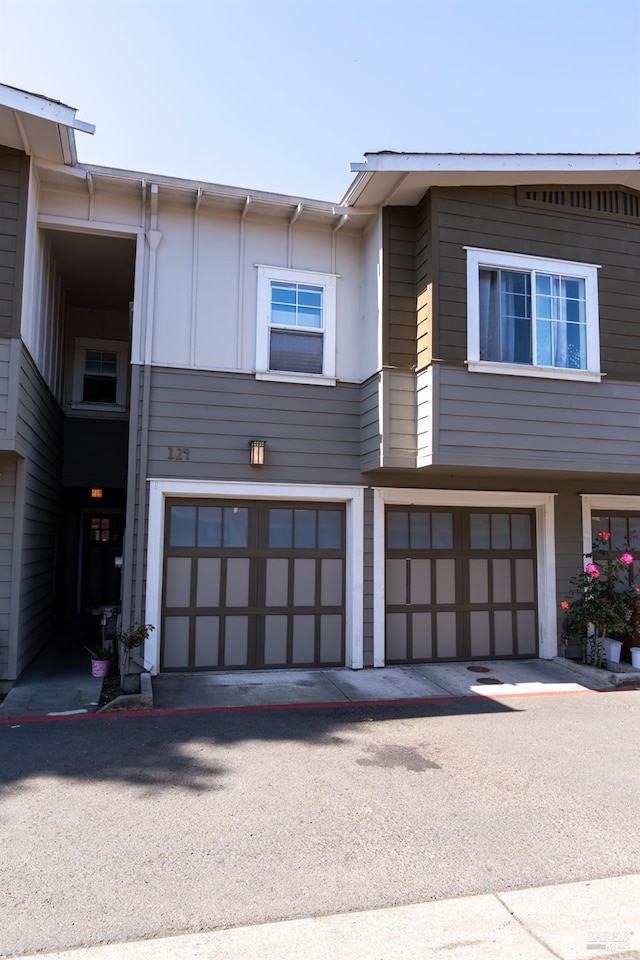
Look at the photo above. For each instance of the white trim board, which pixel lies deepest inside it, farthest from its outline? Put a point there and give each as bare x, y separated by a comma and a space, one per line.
543, 503
352, 497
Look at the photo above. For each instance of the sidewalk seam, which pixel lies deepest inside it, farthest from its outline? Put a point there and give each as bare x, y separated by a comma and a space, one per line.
529, 932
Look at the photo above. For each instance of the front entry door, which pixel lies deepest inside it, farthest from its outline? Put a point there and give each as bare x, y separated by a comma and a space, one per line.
102, 535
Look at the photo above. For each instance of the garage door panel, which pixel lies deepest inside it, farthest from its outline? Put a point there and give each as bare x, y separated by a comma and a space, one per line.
526, 632
396, 581
503, 626
207, 642
332, 586
237, 592
304, 639
501, 570
176, 643
446, 635
445, 581
236, 641
208, 582
525, 581
275, 639
304, 583
422, 647
396, 636
277, 582
330, 637
178, 582
480, 630
420, 588
478, 581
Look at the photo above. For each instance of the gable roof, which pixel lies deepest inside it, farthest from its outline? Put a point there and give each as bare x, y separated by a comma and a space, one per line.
400, 179
39, 126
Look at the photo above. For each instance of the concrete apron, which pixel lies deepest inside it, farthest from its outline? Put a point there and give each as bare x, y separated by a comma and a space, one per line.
181, 691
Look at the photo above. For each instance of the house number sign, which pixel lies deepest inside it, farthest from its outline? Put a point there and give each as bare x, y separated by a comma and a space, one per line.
178, 453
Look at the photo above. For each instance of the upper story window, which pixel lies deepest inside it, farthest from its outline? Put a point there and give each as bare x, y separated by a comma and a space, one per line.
295, 336
531, 316
100, 375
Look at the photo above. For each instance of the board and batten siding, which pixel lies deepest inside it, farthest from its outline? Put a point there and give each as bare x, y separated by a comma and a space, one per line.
39, 432
14, 172
399, 287
492, 218
484, 420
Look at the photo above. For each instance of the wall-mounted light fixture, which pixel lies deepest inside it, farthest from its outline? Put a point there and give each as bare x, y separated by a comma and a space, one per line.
256, 457
96, 493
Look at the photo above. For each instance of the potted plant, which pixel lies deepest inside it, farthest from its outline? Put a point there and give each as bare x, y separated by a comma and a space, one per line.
602, 601
101, 657
131, 638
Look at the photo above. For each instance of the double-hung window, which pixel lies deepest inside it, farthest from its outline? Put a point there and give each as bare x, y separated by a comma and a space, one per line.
532, 316
100, 375
295, 337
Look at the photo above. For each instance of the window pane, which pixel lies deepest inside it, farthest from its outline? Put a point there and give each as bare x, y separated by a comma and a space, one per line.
304, 528
235, 527
209, 526
520, 531
283, 314
98, 389
420, 531
619, 533
479, 535
183, 527
442, 531
330, 529
296, 352
500, 534
397, 530
280, 528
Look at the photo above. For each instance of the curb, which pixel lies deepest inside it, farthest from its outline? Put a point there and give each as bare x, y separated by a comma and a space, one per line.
133, 701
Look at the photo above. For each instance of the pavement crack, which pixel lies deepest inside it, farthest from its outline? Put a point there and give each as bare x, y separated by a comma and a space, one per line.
528, 930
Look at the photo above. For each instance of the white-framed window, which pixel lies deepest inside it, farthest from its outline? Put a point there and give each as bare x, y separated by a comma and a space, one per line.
532, 316
100, 375
296, 330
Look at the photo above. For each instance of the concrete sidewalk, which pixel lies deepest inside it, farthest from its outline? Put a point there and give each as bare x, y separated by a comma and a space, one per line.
572, 921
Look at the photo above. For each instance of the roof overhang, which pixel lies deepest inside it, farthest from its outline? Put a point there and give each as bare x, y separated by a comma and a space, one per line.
402, 179
38, 126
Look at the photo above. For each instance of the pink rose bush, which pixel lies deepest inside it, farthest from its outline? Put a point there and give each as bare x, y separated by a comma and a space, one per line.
602, 600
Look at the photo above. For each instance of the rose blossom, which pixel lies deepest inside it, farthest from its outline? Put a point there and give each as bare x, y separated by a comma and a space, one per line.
565, 604
604, 535
593, 570
626, 558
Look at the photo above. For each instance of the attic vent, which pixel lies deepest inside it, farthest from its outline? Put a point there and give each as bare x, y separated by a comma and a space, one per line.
608, 202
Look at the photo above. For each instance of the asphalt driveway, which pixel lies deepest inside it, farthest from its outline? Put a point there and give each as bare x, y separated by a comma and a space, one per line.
122, 827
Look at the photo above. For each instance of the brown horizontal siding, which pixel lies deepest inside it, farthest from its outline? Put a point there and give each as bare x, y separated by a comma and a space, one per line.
492, 219
370, 424
7, 514
425, 245
312, 433
504, 421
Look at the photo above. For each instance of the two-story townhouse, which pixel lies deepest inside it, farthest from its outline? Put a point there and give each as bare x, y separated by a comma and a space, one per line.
288, 432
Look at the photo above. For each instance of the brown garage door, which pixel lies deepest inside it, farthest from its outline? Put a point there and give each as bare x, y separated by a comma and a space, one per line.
253, 584
460, 584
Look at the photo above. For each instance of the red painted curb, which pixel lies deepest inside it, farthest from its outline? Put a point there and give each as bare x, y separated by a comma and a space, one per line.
332, 704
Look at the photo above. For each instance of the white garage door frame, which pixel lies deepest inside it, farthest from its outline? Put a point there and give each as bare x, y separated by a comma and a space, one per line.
352, 497
543, 503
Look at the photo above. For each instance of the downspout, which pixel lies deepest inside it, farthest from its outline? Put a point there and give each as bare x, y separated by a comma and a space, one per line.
153, 239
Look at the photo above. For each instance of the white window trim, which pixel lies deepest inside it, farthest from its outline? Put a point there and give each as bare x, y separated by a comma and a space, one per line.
543, 503
120, 348
352, 497
325, 280
478, 257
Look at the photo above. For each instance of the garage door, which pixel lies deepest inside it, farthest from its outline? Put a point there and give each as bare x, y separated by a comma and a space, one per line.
253, 585
460, 584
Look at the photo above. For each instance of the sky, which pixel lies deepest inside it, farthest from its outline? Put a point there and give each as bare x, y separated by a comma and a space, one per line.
282, 96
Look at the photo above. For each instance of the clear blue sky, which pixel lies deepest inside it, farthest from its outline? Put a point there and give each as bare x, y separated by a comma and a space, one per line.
283, 95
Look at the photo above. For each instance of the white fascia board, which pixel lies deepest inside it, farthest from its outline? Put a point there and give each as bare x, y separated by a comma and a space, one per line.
489, 163
37, 106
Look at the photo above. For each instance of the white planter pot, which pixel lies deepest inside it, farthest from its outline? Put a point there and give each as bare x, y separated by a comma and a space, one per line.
612, 650
635, 657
